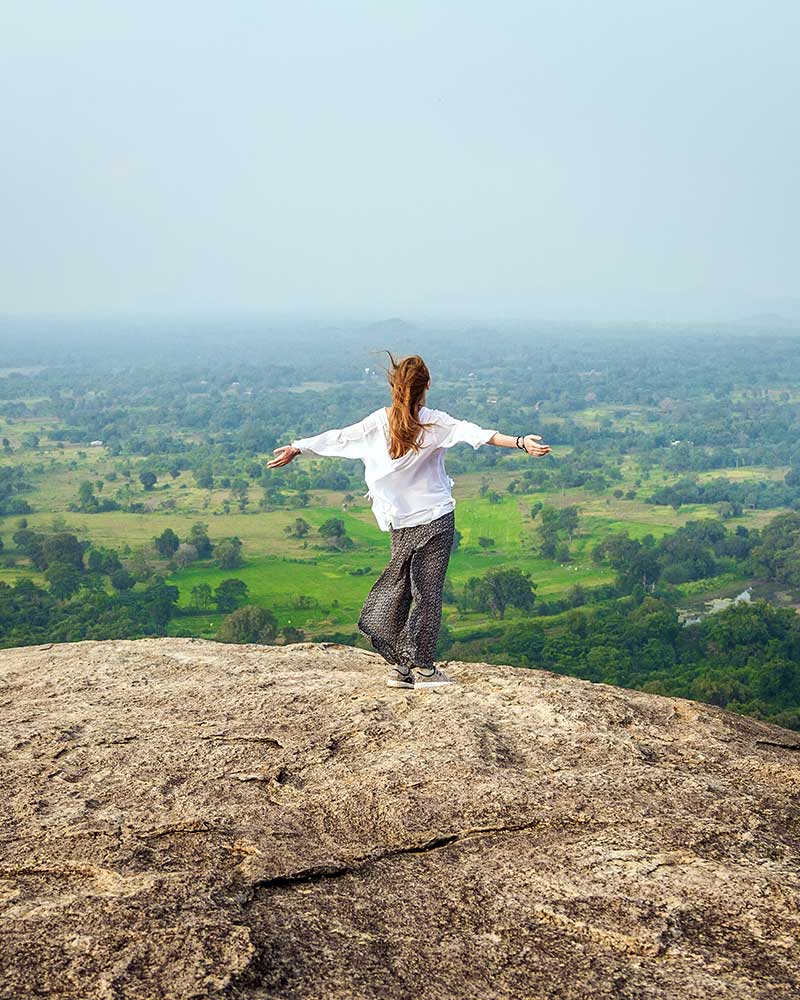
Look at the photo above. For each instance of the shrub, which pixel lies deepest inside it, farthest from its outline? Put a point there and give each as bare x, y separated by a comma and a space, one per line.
249, 624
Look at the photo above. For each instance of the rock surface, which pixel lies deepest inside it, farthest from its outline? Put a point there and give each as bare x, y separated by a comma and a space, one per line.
182, 819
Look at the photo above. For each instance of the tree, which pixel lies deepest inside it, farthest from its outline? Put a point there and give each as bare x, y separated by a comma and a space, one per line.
333, 527
159, 602
198, 537
30, 544
239, 487
64, 580
228, 553
87, 501
553, 523
792, 477
140, 562
299, 528
577, 595
601, 659
103, 561
228, 594
201, 596
148, 479
249, 624
777, 556
333, 530
500, 589
549, 543
185, 555
95, 561
167, 543
122, 580
568, 520
526, 641
776, 678
64, 548
204, 479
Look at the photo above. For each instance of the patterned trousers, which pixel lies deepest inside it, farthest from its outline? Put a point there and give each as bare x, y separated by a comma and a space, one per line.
402, 632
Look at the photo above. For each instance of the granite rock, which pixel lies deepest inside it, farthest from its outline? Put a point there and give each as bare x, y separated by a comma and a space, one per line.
182, 818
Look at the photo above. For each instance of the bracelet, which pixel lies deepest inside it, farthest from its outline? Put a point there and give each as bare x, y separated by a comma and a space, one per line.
522, 446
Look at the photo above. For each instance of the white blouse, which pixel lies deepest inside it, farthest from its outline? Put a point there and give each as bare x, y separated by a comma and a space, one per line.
412, 489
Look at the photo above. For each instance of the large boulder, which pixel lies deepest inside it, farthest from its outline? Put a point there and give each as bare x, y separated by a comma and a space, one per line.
181, 819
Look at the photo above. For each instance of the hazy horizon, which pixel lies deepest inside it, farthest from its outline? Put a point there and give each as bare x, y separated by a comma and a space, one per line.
437, 162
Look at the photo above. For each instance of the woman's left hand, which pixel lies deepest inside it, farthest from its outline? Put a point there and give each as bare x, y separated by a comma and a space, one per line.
535, 446
285, 454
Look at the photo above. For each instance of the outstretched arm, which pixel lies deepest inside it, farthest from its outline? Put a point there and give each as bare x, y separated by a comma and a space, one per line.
341, 442
474, 434
531, 443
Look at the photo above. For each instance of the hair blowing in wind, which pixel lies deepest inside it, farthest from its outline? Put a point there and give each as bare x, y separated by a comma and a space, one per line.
408, 379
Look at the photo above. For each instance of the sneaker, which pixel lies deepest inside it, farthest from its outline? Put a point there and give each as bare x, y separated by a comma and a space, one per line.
400, 678
430, 677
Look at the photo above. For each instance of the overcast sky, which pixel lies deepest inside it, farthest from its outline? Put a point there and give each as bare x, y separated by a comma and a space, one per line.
618, 159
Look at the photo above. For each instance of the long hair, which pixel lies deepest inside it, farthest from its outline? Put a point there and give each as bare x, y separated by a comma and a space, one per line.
408, 379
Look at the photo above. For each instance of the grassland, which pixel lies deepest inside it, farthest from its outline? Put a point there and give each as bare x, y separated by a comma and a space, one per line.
279, 569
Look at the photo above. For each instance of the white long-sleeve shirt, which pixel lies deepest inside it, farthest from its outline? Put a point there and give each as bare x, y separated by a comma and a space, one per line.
412, 489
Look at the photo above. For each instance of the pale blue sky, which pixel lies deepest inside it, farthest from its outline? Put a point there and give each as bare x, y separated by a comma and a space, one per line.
618, 159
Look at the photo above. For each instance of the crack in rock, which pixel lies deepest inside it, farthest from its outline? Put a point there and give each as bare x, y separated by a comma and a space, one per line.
333, 870
242, 739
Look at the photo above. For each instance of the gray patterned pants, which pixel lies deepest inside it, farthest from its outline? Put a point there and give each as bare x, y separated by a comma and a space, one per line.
402, 633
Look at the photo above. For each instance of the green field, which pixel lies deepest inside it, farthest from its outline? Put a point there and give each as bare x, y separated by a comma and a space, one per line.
275, 582
276, 577
279, 569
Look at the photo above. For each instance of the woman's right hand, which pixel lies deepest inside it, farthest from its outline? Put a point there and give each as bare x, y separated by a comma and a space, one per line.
285, 454
531, 444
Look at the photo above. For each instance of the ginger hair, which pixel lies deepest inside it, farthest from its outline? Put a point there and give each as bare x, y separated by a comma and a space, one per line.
408, 379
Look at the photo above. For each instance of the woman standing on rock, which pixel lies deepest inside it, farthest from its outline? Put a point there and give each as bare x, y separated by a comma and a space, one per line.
402, 447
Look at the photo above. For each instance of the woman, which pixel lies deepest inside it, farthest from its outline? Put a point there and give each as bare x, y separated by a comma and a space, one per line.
402, 447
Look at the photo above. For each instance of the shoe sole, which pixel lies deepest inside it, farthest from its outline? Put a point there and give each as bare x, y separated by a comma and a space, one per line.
433, 684
400, 684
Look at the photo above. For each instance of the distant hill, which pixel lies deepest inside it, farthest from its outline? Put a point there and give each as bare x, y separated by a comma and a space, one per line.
393, 327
